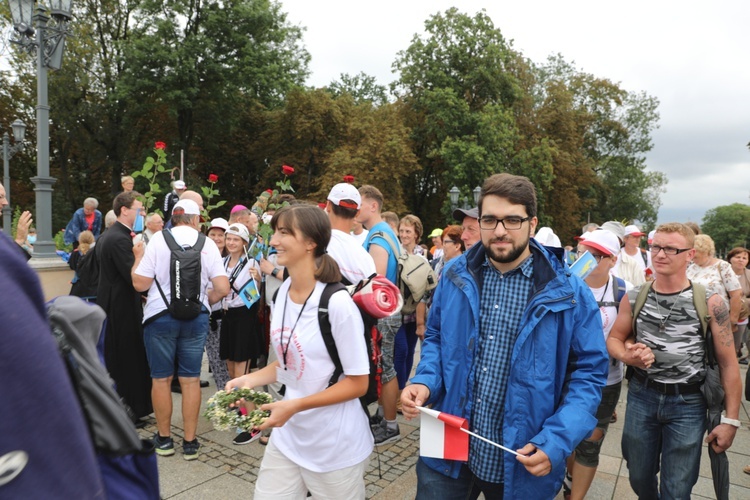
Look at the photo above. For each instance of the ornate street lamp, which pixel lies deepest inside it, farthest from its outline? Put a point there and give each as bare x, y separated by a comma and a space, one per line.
477, 191
19, 130
37, 35
454, 194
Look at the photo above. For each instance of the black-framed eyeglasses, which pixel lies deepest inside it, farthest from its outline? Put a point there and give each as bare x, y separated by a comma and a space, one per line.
489, 223
598, 258
655, 249
448, 241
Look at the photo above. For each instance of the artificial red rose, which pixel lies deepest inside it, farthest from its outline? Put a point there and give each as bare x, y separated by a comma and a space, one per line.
349, 179
322, 205
287, 170
269, 191
213, 178
160, 145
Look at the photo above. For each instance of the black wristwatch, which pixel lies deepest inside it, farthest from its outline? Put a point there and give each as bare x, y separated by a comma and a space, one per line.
275, 272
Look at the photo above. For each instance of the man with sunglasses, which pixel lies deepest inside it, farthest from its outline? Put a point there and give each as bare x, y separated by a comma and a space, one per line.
514, 345
666, 416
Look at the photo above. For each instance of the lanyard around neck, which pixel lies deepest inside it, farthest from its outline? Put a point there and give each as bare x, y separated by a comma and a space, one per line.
291, 332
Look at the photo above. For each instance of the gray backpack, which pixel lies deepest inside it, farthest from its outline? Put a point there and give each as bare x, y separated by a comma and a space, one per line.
415, 275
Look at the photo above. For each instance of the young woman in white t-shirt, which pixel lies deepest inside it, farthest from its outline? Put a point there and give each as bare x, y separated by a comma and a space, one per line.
322, 441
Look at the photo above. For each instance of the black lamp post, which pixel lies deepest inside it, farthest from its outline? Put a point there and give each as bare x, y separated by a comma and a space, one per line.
46, 40
19, 131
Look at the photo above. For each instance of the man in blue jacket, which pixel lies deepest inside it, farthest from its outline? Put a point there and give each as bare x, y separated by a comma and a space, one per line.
513, 344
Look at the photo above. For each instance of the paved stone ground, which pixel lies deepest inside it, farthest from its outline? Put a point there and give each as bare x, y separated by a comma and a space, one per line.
224, 470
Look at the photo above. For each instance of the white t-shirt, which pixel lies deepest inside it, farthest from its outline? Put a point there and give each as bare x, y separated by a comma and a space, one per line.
354, 261
233, 300
331, 437
361, 237
156, 264
608, 314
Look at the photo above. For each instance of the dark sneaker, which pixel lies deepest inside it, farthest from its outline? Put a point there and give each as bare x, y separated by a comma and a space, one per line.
247, 437
190, 449
163, 446
376, 421
385, 435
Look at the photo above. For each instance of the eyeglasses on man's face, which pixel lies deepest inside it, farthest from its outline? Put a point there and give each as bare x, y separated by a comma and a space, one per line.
597, 257
655, 249
512, 223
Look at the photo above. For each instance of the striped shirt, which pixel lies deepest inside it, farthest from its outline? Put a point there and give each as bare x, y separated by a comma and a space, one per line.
504, 298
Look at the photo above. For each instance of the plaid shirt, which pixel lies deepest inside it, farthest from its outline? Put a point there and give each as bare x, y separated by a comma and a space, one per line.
504, 298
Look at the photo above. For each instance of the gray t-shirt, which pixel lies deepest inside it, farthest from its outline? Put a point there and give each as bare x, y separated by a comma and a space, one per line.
678, 347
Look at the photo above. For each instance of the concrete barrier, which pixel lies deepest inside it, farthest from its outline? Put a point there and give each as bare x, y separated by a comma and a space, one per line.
54, 275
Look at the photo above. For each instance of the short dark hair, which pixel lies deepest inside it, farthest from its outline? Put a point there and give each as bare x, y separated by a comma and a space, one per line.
183, 219
515, 188
344, 212
124, 199
312, 222
736, 251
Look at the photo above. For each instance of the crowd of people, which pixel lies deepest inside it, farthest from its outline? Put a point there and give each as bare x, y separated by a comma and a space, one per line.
532, 355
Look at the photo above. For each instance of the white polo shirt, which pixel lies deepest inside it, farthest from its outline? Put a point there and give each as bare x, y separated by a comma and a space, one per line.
355, 263
156, 264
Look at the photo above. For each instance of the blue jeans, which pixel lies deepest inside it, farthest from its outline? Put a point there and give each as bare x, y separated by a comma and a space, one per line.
670, 427
166, 338
403, 355
432, 485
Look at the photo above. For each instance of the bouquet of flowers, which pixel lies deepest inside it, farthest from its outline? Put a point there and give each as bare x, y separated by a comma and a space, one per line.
225, 411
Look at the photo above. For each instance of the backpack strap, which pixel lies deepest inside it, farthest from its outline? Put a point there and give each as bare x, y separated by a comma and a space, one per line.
637, 302
324, 322
644, 257
618, 291
394, 247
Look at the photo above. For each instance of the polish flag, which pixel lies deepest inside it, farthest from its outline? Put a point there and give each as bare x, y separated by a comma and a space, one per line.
441, 435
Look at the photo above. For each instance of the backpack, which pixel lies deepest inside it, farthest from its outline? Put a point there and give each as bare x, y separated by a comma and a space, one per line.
618, 291
372, 340
415, 275
127, 463
185, 278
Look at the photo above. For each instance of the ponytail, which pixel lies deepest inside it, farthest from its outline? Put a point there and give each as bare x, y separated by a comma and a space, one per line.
326, 269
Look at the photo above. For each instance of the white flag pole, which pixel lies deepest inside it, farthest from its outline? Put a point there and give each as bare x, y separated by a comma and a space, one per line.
182, 164
491, 442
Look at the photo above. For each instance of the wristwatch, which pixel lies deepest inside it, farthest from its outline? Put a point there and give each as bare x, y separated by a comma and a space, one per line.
730, 421
275, 272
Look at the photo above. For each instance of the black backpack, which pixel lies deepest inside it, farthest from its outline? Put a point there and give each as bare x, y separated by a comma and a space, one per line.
185, 278
372, 341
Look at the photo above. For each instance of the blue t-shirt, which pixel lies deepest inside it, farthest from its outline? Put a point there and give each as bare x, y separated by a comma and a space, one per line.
383, 226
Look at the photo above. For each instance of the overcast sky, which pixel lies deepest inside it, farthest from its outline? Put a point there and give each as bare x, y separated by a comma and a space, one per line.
695, 58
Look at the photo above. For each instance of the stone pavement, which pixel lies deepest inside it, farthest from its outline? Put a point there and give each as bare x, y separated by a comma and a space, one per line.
224, 470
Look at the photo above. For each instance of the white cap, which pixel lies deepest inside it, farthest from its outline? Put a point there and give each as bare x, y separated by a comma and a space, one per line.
545, 236
219, 222
178, 184
240, 230
632, 230
651, 236
187, 207
345, 191
615, 227
603, 240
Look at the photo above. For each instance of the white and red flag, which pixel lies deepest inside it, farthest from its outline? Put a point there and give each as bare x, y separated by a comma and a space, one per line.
441, 436
446, 436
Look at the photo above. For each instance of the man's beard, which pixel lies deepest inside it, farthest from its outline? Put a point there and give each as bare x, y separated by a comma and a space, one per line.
510, 255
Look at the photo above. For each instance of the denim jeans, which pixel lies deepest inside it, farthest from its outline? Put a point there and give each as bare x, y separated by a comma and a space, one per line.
432, 485
167, 338
668, 426
403, 352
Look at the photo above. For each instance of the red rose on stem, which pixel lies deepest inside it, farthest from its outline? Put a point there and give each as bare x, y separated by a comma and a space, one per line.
287, 170
269, 191
349, 179
160, 145
213, 178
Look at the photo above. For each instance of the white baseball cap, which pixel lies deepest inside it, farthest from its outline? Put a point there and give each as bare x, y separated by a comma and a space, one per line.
240, 230
632, 230
187, 207
178, 184
219, 222
344, 193
603, 240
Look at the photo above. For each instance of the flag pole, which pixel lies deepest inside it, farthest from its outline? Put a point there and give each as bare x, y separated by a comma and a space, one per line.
488, 441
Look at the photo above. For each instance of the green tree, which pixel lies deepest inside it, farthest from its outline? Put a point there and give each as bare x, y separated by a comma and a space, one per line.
728, 226
362, 87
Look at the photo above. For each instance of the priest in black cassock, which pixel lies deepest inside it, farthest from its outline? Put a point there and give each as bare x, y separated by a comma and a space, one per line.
124, 351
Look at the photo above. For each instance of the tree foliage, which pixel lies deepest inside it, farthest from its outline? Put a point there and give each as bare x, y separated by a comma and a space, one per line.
728, 226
